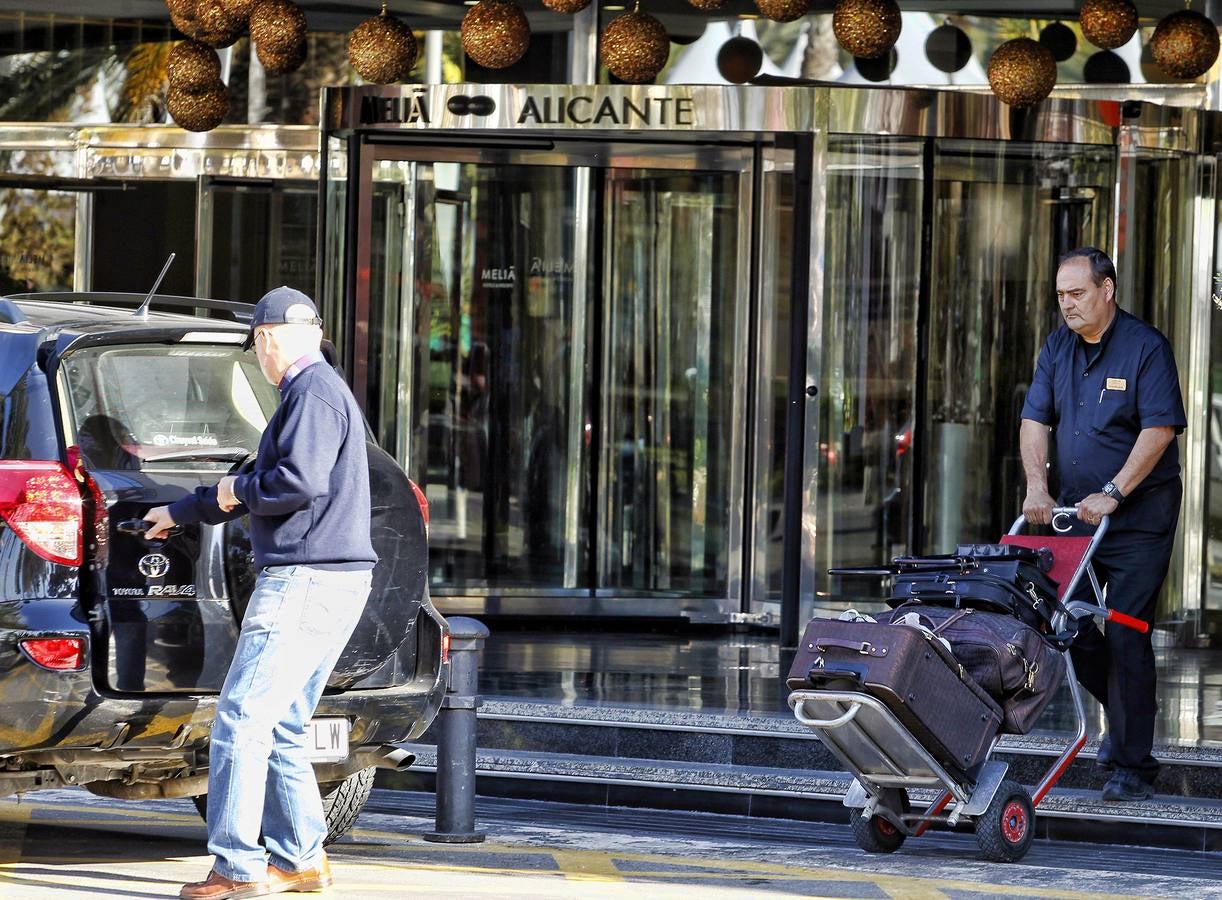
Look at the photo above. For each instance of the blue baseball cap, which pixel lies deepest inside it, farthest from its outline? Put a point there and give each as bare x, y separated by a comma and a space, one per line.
282, 306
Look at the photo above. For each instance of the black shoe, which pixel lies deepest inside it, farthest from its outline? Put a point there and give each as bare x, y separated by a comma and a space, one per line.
1126, 786
1103, 756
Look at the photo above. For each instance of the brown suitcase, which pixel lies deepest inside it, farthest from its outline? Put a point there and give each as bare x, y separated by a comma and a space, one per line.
914, 676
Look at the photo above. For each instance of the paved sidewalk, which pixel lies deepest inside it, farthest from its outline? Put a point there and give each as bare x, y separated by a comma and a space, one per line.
68, 844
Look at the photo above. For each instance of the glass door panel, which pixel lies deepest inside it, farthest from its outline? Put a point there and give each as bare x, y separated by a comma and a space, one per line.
1156, 272
1003, 214
495, 384
259, 236
867, 387
672, 357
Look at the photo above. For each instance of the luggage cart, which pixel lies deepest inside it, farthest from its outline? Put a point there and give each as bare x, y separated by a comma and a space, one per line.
887, 760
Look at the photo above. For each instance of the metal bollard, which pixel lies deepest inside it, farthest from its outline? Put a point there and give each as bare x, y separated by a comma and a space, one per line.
456, 737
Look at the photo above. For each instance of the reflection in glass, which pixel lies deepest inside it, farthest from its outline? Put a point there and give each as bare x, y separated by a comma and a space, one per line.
867, 398
1157, 276
493, 341
1003, 214
667, 375
333, 265
262, 239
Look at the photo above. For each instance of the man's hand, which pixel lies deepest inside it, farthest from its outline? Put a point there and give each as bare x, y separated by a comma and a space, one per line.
161, 521
1094, 507
226, 499
1037, 507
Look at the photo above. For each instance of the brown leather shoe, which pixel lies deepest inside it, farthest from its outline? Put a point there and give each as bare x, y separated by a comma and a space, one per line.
218, 887
315, 879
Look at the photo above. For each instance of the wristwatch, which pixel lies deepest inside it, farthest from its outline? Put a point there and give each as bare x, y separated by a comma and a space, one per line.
1114, 492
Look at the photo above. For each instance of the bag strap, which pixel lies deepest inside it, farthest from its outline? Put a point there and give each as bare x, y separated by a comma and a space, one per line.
952, 620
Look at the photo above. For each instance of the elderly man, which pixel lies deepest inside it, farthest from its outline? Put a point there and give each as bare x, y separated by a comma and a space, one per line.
1107, 383
308, 499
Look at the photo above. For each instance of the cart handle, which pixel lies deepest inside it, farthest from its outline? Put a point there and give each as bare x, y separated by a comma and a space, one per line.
1127, 621
1079, 609
799, 711
1059, 524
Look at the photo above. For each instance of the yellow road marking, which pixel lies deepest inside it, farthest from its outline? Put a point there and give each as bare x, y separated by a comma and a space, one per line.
593, 867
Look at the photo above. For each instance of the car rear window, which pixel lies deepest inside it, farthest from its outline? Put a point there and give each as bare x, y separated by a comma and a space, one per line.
142, 407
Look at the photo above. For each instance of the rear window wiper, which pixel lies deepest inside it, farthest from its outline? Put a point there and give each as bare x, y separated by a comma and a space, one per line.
223, 454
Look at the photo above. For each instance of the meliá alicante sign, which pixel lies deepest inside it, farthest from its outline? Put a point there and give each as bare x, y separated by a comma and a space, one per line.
522, 107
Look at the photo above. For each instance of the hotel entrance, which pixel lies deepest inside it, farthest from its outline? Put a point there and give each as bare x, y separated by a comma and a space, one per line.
556, 350
679, 366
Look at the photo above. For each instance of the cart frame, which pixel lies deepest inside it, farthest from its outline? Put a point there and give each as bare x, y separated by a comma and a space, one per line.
887, 759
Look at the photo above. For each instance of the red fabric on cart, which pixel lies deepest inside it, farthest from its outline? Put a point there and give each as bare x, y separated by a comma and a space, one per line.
1067, 553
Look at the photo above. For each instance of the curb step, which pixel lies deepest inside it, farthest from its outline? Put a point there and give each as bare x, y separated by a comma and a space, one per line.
680, 760
810, 785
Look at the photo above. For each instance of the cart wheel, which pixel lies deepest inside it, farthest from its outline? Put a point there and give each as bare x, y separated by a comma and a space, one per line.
1005, 830
876, 834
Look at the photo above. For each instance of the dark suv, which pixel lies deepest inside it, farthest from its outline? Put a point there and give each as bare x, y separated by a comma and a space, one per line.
113, 648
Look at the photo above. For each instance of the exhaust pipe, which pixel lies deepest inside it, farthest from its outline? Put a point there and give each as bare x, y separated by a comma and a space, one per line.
385, 756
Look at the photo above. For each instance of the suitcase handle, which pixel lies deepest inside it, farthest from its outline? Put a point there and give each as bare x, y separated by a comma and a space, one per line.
863, 647
851, 671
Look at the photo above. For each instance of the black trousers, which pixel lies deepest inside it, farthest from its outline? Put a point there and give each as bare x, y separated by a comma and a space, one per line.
1117, 664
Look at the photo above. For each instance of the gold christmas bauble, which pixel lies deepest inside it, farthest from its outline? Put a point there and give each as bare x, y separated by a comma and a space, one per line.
206, 21
567, 7
495, 33
708, 5
1185, 44
1022, 72
868, 29
634, 47
783, 10
240, 9
1108, 23
382, 49
277, 26
192, 66
281, 63
198, 111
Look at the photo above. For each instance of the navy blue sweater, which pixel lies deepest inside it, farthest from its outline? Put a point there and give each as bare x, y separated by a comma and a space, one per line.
308, 494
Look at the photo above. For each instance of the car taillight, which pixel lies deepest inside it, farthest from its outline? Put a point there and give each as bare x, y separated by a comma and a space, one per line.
424, 504
445, 646
41, 502
60, 654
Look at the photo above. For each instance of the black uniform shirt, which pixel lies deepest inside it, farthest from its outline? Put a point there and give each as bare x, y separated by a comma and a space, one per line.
1099, 406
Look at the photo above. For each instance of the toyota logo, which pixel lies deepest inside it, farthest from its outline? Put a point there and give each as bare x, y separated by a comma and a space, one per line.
153, 565
462, 105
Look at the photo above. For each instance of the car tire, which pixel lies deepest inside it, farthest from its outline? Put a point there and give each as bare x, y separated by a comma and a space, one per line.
342, 802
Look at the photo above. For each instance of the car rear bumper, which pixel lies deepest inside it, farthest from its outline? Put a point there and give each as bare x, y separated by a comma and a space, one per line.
58, 715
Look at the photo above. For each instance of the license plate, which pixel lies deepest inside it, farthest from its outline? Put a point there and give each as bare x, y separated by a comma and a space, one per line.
327, 739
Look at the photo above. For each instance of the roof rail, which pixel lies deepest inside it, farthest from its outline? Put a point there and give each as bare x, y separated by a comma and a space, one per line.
10, 312
235, 310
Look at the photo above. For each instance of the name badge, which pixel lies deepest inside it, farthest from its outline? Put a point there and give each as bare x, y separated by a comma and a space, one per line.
1116, 384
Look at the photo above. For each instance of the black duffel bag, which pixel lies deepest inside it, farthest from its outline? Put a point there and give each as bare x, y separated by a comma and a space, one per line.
1011, 586
1009, 659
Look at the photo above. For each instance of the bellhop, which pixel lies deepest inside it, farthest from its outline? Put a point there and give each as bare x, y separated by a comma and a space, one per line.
1106, 383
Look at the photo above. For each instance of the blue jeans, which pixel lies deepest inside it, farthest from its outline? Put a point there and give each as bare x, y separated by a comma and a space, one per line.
259, 774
